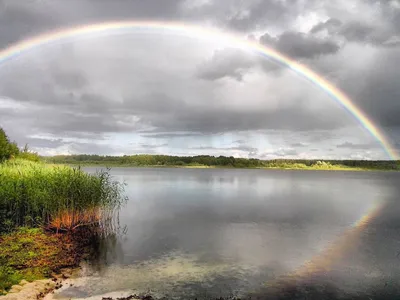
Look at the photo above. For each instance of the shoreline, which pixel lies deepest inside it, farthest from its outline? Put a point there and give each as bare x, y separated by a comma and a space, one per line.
38, 260
42, 288
333, 168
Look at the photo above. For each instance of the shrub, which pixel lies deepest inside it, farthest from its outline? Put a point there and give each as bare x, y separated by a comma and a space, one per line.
7, 149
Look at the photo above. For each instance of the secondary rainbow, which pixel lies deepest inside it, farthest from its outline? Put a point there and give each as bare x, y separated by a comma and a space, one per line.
205, 33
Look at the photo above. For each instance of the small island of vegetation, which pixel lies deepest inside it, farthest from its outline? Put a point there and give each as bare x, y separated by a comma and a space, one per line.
50, 215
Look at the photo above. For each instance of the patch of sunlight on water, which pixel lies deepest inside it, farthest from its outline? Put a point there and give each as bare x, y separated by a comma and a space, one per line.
154, 275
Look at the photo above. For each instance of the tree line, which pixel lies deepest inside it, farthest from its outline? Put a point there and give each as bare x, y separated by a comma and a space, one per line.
225, 161
9, 149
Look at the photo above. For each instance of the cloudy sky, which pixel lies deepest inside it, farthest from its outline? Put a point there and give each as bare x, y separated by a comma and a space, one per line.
148, 91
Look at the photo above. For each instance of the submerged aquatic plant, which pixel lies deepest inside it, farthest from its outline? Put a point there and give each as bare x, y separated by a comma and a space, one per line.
55, 197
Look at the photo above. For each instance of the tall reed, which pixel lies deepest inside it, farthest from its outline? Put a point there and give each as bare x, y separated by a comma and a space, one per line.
59, 197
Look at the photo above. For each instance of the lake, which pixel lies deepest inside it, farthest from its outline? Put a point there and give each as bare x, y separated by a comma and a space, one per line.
268, 234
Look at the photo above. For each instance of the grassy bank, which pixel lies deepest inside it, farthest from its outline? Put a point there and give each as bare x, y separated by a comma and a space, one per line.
206, 161
58, 209
32, 254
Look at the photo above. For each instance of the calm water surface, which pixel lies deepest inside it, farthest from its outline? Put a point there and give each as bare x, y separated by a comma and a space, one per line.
207, 233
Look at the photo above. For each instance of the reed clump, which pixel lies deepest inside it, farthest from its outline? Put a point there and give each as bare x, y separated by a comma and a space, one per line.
35, 194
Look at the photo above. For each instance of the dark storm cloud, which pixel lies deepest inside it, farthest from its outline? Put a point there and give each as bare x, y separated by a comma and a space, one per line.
235, 64
300, 45
62, 100
208, 120
379, 92
20, 19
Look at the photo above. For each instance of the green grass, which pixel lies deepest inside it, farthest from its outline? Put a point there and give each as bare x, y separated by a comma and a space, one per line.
32, 253
27, 254
35, 194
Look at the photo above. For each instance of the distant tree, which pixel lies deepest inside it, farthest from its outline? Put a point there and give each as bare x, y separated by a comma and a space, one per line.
7, 148
27, 154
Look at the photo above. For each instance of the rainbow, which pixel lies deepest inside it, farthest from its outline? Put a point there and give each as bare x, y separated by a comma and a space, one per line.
205, 33
323, 261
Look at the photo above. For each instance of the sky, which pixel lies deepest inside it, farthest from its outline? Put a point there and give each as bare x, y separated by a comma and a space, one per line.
151, 91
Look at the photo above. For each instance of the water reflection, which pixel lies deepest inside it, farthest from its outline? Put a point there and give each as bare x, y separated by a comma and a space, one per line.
212, 233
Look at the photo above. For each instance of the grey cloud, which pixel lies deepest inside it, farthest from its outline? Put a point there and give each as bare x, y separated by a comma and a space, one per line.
349, 145
261, 13
235, 64
95, 114
239, 142
226, 63
279, 153
331, 26
364, 33
150, 146
359, 31
44, 143
298, 145
69, 79
356, 31
267, 39
213, 121
237, 148
70, 99
90, 148
168, 135
302, 46
20, 19
379, 92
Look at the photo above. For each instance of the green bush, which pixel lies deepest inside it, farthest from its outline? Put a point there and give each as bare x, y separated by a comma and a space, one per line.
7, 148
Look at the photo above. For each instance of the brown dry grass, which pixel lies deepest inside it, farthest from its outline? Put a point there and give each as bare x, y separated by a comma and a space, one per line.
71, 219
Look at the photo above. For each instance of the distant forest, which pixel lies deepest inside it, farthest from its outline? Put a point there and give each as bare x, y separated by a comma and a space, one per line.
143, 160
